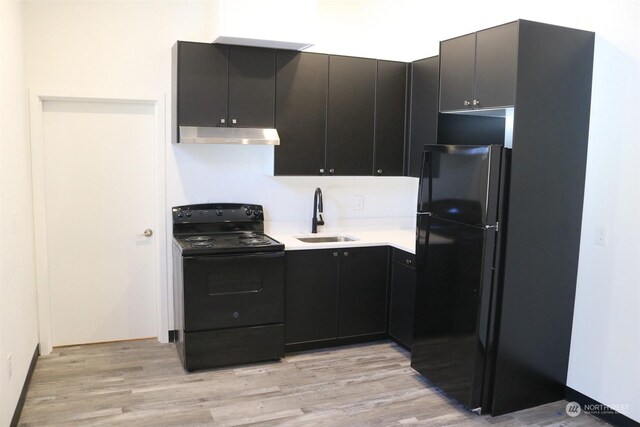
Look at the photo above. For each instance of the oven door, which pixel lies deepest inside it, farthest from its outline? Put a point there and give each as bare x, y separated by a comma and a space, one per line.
227, 291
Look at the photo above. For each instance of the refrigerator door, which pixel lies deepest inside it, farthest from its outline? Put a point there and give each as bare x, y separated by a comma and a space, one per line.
461, 182
451, 316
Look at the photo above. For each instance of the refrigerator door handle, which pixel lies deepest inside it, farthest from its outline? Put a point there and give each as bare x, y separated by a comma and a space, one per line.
424, 201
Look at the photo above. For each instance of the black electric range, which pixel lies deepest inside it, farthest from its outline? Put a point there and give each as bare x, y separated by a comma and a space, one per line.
228, 282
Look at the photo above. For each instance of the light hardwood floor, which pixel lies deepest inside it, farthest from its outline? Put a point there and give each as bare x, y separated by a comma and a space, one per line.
142, 383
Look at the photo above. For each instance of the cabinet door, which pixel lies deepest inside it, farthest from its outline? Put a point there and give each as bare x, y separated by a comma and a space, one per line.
457, 57
362, 293
301, 112
350, 115
252, 86
311, 296
424, 111
496, 66
202, 85
403, 285
391, 90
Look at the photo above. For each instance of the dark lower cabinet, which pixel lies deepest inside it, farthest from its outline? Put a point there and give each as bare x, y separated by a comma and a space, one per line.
362, 291
335, 296
311, 296
401, 298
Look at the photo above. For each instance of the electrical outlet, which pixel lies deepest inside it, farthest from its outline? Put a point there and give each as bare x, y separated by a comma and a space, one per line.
9, 365
358, 202
601, 235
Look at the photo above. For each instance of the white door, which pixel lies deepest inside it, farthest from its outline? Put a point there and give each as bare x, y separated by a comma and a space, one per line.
99, 199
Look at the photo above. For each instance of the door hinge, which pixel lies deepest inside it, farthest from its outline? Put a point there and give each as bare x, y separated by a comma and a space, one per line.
495, 226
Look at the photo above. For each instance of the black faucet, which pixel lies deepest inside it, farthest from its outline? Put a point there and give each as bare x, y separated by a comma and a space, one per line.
317, 210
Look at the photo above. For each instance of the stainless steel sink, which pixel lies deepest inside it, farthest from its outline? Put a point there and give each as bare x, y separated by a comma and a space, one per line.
326, 239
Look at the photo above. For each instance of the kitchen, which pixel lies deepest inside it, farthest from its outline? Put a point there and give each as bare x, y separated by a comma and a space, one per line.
193, 172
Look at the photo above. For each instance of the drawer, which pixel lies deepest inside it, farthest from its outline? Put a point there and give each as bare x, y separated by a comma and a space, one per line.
404, 258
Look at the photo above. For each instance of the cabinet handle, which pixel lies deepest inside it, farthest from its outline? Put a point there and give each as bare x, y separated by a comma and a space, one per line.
322, 171
335, 254
346, 253
222, 121
467, 103
331, 171
379, 171
476, 103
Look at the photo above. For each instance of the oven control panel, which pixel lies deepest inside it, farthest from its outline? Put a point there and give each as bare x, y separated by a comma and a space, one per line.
217, 212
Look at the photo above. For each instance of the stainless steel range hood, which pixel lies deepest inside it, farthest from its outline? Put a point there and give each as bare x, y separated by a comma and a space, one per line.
225, 135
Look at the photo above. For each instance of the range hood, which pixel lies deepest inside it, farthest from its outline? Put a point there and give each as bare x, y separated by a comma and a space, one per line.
227, 135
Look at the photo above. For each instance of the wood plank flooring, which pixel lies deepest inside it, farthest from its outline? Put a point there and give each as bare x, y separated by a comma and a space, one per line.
142, 383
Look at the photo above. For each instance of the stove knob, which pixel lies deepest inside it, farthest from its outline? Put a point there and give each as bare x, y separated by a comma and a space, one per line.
188, 214
249, 212
179, 215
219, 212
258, 213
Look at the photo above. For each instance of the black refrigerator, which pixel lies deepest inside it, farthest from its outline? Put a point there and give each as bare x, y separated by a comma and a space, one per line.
460, 223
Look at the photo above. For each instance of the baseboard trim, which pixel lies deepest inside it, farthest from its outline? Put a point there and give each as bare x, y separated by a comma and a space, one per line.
599, 410
25, 387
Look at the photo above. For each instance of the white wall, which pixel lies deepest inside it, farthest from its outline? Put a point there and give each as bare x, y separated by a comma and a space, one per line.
18, 318
124, 46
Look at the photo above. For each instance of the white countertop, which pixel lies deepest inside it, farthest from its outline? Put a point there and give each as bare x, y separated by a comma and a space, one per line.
401, 238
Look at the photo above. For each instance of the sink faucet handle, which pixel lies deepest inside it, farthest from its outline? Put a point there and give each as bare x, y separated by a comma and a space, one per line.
321, 220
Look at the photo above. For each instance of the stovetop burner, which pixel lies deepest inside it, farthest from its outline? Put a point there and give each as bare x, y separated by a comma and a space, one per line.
221, 228
199, 238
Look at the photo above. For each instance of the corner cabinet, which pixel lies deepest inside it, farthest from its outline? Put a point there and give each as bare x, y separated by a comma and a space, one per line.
391, 102
335, 296
423, 128
479, 70
220, 85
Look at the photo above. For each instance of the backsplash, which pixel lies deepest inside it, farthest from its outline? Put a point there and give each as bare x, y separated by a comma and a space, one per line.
228, 173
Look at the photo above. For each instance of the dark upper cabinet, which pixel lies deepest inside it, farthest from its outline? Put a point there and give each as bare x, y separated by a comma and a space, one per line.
251, 86
391, 101
479, 70
401, 298
200, 82
301, 112
339, 115
311, 297
350, 115
457, 66
362, 296
423, 111
220, 85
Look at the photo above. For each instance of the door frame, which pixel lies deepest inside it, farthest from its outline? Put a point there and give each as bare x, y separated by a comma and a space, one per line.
36, 101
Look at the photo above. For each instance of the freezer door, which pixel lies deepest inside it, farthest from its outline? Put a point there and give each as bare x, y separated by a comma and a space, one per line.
461, 182
451, 316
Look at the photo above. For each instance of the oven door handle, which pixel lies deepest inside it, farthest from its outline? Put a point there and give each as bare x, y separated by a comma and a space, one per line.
275, 254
